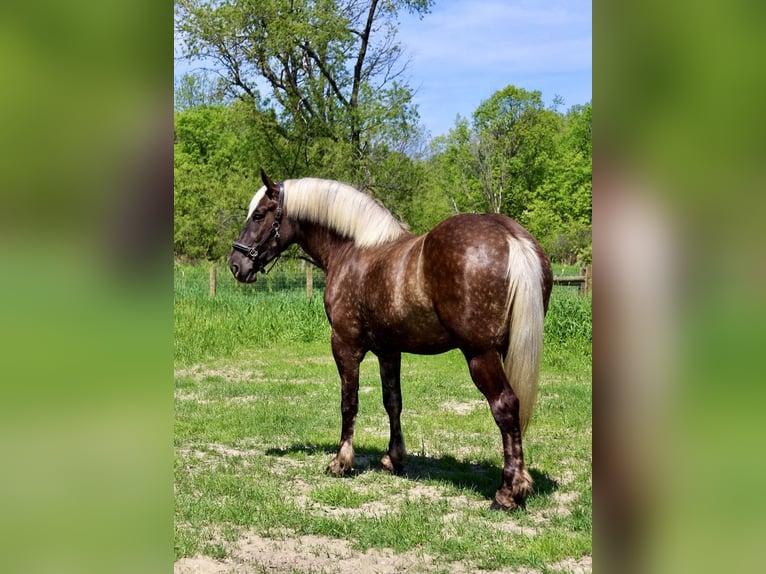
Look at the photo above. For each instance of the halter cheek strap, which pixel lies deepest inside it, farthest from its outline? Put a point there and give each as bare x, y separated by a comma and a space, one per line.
252, 253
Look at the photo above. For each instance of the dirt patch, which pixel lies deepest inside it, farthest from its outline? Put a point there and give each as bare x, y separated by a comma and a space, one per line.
228, 374
463, 408
563, 507
513, 528
564, 502
380, 508
184, 395
567, 477
230, 451
582, 566
319, 554
315, 554
323, 360
209, 451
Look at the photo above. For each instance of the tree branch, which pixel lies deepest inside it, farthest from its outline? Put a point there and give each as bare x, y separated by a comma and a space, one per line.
326, 73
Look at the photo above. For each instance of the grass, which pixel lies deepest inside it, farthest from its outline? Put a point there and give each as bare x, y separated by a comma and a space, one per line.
258, 419
566, 270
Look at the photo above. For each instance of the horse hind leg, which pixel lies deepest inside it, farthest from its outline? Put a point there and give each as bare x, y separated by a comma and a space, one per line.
487, 373
390, 375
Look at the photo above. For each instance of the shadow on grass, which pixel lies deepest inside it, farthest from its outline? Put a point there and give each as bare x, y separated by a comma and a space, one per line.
482, 477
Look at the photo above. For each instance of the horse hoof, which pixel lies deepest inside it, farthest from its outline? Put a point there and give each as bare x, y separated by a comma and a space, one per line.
506, 500
388, 465
522, 486
500, 507
503, 508
337, 469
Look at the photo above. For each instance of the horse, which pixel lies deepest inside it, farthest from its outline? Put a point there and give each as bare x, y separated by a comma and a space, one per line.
478, 283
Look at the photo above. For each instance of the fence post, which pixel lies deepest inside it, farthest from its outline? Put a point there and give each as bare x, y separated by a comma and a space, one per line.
212, 280
309, 281
588, 279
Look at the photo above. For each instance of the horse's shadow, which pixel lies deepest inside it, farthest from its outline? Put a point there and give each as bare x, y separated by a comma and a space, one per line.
482, 477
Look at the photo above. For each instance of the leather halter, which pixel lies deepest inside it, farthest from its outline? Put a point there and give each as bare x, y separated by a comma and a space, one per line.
252, 252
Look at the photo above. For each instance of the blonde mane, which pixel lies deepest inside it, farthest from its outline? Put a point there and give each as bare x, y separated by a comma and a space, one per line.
342, 208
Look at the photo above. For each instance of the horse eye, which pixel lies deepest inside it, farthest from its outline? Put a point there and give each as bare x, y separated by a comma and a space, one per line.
257, 216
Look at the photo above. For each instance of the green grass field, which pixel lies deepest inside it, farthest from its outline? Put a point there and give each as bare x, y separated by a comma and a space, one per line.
257, 420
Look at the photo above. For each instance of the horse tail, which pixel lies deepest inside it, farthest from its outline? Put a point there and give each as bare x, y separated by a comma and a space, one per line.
527, 313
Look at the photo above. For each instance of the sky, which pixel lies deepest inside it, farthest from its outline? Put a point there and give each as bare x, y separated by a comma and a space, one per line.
464, 51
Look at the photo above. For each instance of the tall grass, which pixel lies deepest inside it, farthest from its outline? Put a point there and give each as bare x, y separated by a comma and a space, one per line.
242, 317
239, 317
568, 330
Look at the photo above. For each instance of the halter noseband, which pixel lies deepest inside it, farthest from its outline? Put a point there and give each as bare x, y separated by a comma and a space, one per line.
253, 252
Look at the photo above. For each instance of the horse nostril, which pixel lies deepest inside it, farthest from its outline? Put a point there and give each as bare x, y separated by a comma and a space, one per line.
234, 268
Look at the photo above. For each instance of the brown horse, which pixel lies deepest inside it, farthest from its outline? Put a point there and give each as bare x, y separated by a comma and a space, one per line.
479, 283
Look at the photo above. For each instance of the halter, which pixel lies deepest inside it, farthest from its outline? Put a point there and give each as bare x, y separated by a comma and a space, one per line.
252, 252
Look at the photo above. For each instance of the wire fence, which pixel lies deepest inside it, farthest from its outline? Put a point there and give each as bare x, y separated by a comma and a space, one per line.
216, 279
300, 276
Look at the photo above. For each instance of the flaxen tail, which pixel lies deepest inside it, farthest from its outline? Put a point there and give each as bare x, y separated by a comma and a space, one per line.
527, 313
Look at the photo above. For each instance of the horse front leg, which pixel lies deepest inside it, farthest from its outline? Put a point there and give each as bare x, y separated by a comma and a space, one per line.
390, 373
347, 360
488, 374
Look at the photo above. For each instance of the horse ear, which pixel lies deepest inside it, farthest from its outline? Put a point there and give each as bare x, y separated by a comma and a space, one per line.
272, 189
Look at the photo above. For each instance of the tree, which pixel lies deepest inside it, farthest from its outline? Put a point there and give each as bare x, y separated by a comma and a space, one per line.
517, 157
560, 213
453, 169
498, 160
512, 144
197, 90
217, 152
330, 66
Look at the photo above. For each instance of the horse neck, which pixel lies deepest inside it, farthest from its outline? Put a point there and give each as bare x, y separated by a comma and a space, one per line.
323, 245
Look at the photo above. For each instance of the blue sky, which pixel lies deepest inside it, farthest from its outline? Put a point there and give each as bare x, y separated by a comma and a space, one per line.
464, 51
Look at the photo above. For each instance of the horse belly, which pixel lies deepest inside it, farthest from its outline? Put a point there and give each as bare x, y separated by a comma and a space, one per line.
416, 331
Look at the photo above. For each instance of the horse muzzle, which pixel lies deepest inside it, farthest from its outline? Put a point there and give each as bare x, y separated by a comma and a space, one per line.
245, 270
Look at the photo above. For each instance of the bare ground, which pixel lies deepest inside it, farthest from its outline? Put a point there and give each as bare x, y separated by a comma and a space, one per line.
318, 554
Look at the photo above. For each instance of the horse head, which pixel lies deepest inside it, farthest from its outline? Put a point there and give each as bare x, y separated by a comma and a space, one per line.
265, 235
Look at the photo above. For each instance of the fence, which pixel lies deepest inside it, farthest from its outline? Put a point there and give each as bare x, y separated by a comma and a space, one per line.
288, 275
304, 276
583, 281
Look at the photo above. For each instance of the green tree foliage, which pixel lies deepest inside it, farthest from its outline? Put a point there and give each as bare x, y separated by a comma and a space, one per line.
329, 68
560, 214
453, 169
313, 88
513, 143
304, 88
218, 150
194, 91
517, 157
